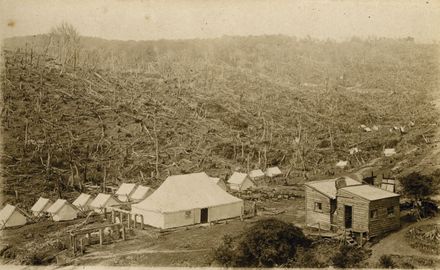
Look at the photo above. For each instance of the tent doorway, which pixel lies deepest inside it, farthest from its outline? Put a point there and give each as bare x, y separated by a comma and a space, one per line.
203, 215
348, 216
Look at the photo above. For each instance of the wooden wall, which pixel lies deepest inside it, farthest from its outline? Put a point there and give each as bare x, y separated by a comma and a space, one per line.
384, 223
312, 216
360, 210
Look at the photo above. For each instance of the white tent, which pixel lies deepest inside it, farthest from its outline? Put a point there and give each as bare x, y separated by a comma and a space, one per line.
187, 199
83, 202
40, 207
388, 152
124, 192
256, 174
141, 193
62, 210
219, 182
240, 181
103, 201
342, 164
273, 171
11, 216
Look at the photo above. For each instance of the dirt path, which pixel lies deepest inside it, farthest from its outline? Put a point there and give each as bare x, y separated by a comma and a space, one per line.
395, 244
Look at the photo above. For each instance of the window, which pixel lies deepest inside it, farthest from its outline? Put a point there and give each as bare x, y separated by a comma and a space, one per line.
187, 214
373, 214
390, 211
318, 207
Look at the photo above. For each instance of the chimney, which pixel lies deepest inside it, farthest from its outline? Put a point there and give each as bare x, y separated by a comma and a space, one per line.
340, 183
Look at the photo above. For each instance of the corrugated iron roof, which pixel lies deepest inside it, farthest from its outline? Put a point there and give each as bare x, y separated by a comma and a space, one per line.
328, 187
370, 193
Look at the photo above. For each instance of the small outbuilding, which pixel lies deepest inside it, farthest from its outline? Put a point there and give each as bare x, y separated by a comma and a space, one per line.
40, 207
188, 199
83, 202
11, 216
240, 181
102, 201
219, 182
141, 193
256, 174
273, 171
124, 191
62, 210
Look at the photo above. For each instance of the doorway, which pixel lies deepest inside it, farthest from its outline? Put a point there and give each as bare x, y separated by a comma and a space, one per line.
348, 216
203, 215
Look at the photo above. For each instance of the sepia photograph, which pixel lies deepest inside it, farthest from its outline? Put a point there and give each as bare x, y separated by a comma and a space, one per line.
220, 134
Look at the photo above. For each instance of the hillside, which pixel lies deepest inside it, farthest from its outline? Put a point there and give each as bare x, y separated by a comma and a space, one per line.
140, 111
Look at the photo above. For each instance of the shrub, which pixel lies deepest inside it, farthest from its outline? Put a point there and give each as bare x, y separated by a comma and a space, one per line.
385, 261
348, 256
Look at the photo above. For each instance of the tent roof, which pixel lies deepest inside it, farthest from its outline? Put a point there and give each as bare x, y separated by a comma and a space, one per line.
215, 179
370, 193
57, 206
186, 192
7, 212
328, 187
40, 204
126, 189
237, 178
82, 199
256, 173
101, 200
273, 170
140, 192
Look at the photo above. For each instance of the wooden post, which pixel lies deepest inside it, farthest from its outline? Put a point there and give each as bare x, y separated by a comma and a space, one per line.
123, 232
120, 217
101, 236
105, 212
142, 222
128, 221
113, 216
81, 246
135, 220
319, 229
74, 245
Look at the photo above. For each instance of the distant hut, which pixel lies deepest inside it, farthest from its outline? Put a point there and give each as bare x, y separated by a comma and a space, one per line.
141, 193
83, 202
102, 201
273, 171
219, 182
11, 216
256, 174
240, 181
388, 152
342, 164
62, 210
40, 207
124, 192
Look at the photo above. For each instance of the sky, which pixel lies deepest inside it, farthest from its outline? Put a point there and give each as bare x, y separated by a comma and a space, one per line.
183, 19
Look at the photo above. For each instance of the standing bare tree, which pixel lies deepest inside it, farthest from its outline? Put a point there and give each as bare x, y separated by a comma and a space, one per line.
65, 40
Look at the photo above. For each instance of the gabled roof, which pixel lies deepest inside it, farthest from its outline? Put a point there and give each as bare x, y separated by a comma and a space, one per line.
256, 173
370, 193
7, 212
140, 192
40, 204
126, 189
57, 206
101, 200
273, 171
328, 187
186, 192
215, 179
237, 178
82, 200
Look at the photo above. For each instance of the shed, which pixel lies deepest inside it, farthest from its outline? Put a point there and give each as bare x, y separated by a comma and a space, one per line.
367, 209
102, 201
240, 181
188, 199
83, 202
62, 210
219, 182
141, 193
256, 174
40, 207
124, 191
321, 201
11, 216
273, 171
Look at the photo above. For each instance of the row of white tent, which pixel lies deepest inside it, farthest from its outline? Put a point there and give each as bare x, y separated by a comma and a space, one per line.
242, 181
11, 216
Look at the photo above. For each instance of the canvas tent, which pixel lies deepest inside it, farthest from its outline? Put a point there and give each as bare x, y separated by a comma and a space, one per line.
83, 202
62, 210
273, 171
124, 191
40, 207
389, 152
240, 181
219, 182
102, 201
187, 199
141, 193
256, 174
11, 216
